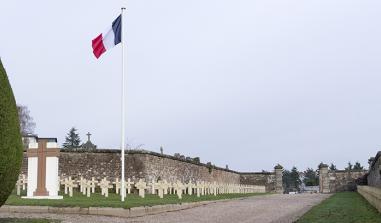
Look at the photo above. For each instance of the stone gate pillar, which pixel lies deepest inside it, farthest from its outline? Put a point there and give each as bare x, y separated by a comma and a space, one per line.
323, 178
278, 169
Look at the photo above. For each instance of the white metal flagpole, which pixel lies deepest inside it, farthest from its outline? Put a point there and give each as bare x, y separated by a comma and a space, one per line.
123, 191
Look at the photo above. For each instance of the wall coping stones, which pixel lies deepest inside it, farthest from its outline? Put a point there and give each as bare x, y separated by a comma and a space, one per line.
347, 171
257, 173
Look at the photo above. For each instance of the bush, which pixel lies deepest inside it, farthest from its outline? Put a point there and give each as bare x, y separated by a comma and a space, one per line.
11, 151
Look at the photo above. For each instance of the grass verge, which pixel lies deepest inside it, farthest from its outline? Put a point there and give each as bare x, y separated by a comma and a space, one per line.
343, 207
132, 200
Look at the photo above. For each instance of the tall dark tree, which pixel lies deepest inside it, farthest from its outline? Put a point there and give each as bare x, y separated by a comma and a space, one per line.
286, 180
295, 179
350, 166
310, 177
358, 166
291, 180
332, 167
11, 149
72, 139
27, 124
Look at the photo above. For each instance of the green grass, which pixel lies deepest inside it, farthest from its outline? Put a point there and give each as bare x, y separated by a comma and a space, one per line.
26, 220
344, 207
132, 200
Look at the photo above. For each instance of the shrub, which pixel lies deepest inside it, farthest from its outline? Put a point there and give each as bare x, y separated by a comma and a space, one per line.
11, 151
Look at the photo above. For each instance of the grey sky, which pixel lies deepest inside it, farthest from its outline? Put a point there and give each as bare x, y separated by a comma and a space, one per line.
245, 83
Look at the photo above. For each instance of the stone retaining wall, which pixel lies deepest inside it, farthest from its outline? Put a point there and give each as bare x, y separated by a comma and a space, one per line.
331, 181
343, 180
150, 165
259, 178
374, 176
372, 195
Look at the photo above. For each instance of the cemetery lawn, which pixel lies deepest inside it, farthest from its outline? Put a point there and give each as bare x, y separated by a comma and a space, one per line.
132, 200
342, 207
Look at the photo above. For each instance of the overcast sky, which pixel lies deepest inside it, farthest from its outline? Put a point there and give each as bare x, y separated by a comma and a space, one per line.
245, 83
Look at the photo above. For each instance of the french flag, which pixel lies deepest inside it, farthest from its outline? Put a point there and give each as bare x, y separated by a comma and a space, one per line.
108, 39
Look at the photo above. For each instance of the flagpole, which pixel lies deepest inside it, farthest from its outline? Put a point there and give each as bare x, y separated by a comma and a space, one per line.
123, 107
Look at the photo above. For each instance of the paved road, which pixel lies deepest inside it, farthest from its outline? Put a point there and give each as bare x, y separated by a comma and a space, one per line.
259, 209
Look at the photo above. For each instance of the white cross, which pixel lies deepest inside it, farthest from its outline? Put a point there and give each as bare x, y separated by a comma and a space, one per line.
18, 186
128, 185
117, 185
105, 185
84, 186
71, 184
198, 188
215, 188
64, 182
93, 183
152, 184
165, 187
81, 182
141, 186
189, 185
24, 181
161, 187
179, 187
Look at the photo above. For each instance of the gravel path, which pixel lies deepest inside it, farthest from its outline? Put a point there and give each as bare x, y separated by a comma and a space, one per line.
259, 209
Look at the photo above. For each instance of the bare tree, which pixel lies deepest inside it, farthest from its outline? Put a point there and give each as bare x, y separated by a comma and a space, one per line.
27, 124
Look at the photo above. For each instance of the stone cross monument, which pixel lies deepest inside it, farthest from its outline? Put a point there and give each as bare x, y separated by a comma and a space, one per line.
43, 169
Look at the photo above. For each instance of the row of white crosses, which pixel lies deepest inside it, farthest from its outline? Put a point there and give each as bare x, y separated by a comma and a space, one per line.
162, 187
201, 188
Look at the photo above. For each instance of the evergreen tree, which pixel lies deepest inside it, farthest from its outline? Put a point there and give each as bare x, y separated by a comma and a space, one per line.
295, 179
11, 149
332, 167
358, 166
291, 180
72, 139
350, 166
310, 178
286, 180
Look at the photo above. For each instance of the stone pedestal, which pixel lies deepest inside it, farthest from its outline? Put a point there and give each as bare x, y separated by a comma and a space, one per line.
43, 169
323, 178
278, 169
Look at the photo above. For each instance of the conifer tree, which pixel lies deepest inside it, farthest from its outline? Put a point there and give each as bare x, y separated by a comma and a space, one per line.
358, 166
11, 150
332, 167
72, 139
310, 178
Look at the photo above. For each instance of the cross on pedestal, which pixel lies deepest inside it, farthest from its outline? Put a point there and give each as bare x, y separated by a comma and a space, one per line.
88, 136
42, 153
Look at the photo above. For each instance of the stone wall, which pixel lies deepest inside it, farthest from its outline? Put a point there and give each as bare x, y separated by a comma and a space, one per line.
331, 181
372, 195
150, 165
259, 178
374, 176
343, 180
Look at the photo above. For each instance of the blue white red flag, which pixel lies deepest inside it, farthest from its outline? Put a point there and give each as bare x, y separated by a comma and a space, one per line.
108, 39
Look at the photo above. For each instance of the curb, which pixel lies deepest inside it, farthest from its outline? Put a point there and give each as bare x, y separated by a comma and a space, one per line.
107, 211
